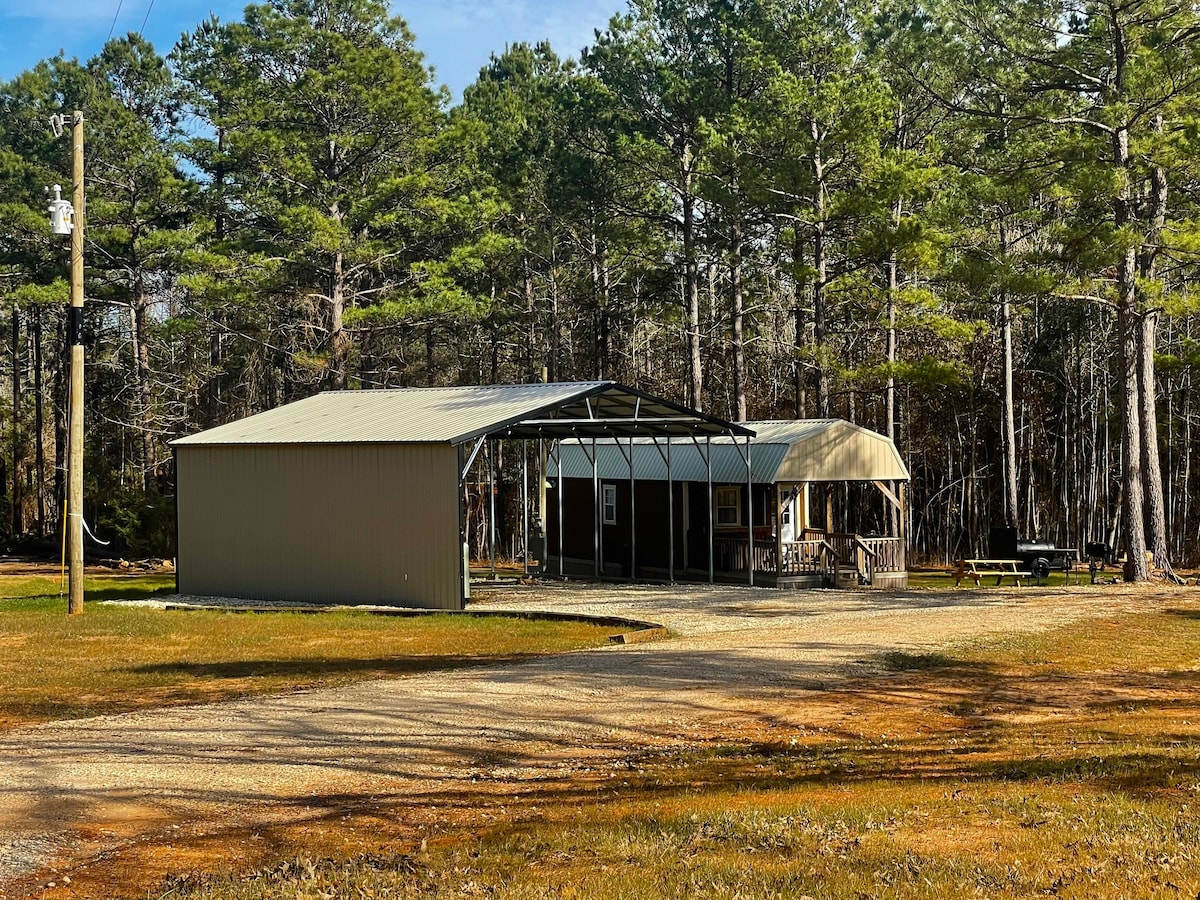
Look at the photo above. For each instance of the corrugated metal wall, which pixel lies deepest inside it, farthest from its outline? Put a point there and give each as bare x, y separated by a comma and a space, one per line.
842, 454
348, 523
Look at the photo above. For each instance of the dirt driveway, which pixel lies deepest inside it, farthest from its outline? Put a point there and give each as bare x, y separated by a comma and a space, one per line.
75, 794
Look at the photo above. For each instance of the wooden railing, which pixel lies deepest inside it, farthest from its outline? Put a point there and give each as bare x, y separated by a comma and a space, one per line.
811, 557
818, 553
889, 554
732, 554
866, 555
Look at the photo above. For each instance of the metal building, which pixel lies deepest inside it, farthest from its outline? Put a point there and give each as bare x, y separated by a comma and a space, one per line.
357, 496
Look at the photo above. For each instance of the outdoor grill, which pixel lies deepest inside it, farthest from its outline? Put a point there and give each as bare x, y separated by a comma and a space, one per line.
1039, 557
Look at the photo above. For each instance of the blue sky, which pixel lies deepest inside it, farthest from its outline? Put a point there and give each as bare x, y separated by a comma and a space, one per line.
456, 36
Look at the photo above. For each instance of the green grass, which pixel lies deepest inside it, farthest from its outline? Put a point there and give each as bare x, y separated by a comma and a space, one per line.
1065, 764
120, 658
95, 587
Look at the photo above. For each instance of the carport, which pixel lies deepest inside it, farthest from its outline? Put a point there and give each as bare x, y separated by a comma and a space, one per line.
358, 496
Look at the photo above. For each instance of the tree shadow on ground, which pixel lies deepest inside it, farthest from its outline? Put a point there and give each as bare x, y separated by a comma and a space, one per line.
320, 669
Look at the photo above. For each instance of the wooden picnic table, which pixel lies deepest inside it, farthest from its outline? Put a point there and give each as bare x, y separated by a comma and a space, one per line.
976, 569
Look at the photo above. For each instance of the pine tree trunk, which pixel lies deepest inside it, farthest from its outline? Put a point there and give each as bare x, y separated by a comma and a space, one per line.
39, 423
18, 518
1156, 517
339, 343
1132, 522
801, 325
1011, 515
821, 266
1128, 330
691, 278
141, 348
738, 312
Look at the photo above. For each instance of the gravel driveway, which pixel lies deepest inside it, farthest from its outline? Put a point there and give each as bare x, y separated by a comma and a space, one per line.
72, 790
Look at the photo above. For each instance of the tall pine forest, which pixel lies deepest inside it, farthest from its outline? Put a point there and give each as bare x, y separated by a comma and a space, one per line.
971, 225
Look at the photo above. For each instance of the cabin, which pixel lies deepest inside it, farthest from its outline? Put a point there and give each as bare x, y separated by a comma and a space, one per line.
755, 509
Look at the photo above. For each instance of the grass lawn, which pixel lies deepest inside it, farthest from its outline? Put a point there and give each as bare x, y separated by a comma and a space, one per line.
1065, 764
120, 658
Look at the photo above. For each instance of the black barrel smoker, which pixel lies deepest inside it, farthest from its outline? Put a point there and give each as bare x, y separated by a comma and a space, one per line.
1037, 556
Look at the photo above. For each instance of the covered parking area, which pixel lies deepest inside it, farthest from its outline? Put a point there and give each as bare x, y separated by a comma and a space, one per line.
359, 496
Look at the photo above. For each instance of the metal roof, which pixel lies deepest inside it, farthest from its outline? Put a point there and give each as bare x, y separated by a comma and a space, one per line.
458, 414
781, 451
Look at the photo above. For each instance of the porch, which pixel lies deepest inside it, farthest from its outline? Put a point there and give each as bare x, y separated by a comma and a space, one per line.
684, 510
820, 558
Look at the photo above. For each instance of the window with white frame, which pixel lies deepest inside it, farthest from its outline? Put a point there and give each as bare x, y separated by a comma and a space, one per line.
610, 504
728, 502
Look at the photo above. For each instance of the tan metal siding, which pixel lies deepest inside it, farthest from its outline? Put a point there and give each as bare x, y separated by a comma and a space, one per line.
348, 523
843, 453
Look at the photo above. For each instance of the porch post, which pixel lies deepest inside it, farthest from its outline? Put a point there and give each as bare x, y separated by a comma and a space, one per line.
903, 493
670, 518
779, 531
711, 526
750, 510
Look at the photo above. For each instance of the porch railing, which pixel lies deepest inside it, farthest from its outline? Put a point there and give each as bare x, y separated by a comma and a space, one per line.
811, 557
808, 557
818, 553
732, 554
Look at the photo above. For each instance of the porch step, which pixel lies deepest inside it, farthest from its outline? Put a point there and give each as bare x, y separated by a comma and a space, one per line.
846, 578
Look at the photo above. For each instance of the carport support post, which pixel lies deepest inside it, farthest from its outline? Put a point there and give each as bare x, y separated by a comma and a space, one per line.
597, 512
525, 506
632, 518
711, 526
491, 455
464, 567
670, 518
750, 511
559, 492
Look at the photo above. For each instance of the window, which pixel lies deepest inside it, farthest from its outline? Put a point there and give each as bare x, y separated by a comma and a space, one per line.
610, 504
728, 501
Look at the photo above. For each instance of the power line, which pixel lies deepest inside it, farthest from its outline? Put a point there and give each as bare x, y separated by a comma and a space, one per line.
147, 17
114, 21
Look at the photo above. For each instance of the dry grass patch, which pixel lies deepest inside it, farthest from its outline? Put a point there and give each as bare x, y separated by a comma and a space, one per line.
1065, 764
118, 658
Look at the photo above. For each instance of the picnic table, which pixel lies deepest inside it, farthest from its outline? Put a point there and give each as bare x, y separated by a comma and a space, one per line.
976, 569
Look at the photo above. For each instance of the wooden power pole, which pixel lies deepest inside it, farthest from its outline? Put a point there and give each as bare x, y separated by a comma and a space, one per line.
74, 518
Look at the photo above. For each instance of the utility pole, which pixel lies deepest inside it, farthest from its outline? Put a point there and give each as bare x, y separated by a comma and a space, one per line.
75, 330
66, 217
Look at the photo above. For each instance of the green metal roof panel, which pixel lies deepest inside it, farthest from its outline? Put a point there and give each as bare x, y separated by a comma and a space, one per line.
687, 461
781, 451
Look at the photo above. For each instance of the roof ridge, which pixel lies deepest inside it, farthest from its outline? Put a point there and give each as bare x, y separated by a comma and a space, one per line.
457, 387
